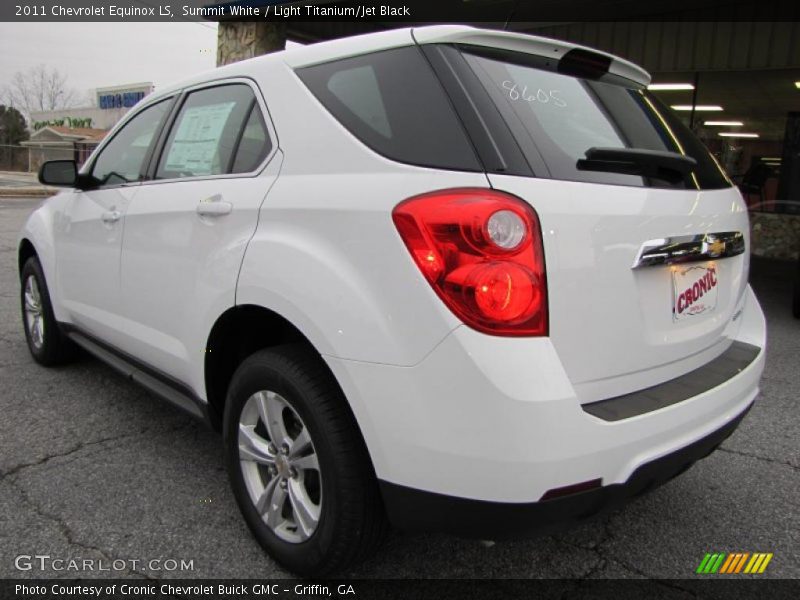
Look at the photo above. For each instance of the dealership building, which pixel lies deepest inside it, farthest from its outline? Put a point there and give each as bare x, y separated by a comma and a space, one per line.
73, 133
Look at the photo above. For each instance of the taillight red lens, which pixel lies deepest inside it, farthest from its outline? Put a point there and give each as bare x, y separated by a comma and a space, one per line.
481, 250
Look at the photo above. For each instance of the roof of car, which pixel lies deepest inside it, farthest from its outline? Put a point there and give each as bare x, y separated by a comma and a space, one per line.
302, 56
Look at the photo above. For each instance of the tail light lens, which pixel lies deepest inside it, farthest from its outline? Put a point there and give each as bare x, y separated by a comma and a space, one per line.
481, 251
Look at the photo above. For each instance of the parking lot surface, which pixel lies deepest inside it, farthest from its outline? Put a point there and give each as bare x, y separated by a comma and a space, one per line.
13, 179
92, 466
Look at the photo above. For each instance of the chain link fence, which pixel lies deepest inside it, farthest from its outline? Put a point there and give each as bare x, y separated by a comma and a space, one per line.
14, 158
28, 159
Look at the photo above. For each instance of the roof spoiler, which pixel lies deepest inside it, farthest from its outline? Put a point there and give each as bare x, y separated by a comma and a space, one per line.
570, 58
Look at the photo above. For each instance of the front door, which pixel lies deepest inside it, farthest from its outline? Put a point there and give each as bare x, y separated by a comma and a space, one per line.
89, 233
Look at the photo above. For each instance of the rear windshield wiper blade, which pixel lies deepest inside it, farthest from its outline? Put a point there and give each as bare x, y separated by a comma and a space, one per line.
668, 166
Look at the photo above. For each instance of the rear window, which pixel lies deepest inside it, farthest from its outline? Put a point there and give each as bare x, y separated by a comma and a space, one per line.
563, 116
393, 103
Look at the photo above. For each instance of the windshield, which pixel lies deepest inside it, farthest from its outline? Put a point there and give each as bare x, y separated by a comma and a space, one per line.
556, 118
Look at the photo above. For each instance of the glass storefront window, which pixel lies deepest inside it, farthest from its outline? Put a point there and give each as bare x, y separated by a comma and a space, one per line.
756, 135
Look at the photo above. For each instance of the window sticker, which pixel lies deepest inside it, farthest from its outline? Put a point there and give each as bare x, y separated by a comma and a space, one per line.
194, 148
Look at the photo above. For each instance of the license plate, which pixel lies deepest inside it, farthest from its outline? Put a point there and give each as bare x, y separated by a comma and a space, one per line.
694, 291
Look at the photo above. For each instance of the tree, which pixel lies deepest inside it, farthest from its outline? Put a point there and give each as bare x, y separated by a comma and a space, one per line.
40, 89
12, 132
12, 126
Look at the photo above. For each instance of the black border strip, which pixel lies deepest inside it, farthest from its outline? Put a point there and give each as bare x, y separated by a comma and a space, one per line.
272, 585
726, 366
390, 13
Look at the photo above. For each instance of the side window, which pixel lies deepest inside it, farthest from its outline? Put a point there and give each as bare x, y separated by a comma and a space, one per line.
393, 102
122, 159
218, 130
358, 89
254, 146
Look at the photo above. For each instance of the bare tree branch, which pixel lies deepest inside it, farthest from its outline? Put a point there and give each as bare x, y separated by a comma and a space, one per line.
40, 89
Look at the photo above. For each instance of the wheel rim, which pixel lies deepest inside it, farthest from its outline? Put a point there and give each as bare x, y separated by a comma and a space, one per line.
280, 466
34, 314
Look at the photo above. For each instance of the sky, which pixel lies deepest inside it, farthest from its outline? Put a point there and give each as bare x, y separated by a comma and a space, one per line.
93, 55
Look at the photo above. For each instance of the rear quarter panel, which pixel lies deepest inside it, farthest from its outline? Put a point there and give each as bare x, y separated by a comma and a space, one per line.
326, 254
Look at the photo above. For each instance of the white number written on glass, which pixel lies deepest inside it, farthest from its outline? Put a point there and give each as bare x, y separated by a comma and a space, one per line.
540, 95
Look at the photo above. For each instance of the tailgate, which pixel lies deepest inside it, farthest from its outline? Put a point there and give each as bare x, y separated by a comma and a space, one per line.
608, 319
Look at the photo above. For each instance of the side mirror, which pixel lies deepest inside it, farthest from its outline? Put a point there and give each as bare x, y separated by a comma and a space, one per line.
61, 173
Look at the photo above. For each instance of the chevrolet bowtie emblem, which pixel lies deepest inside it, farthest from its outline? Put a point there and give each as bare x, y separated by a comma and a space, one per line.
689, 248
714, 247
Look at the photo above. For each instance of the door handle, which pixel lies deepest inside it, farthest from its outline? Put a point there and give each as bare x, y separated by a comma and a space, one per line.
214, 207
111, 216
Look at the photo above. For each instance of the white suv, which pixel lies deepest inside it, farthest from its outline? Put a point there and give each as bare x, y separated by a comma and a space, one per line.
444, 278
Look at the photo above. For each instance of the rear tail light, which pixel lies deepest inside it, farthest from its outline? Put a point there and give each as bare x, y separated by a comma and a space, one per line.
481, 251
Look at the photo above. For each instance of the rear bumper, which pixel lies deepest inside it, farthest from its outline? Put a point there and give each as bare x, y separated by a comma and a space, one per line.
737, 358
415, 510
497, 420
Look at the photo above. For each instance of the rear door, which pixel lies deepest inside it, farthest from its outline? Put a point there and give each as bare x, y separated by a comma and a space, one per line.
187, 228
616, 310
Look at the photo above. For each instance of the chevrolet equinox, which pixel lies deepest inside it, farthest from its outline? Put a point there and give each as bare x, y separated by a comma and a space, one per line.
442, 278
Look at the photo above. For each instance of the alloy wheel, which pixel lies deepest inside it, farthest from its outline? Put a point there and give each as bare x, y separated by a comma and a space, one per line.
280, 466
34, 313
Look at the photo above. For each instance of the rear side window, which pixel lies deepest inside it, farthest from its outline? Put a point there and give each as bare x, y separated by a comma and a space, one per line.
392, 102
218, 130
563, 116
254, 146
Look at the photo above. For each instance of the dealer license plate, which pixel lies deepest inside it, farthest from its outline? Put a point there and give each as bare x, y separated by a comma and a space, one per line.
694, 290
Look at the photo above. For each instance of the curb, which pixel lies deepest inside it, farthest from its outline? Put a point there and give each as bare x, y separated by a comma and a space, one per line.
27, 192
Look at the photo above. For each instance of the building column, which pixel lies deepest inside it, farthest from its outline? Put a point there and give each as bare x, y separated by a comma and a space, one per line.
789, 183
239, 40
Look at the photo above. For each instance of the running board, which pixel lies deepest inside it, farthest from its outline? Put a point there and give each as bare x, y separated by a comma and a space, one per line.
161, 385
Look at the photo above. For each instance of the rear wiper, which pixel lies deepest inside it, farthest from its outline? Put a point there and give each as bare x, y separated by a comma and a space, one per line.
667, 166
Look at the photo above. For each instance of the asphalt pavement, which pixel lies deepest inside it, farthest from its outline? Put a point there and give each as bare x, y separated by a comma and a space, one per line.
93, 467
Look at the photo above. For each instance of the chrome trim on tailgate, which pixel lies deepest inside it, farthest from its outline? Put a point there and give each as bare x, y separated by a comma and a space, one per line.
689, 248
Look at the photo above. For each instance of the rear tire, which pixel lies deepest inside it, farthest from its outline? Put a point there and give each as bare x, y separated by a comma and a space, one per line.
311, 500
46, 342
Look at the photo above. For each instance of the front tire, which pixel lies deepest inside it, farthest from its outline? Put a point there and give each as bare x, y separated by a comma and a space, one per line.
46, 342
297, 463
